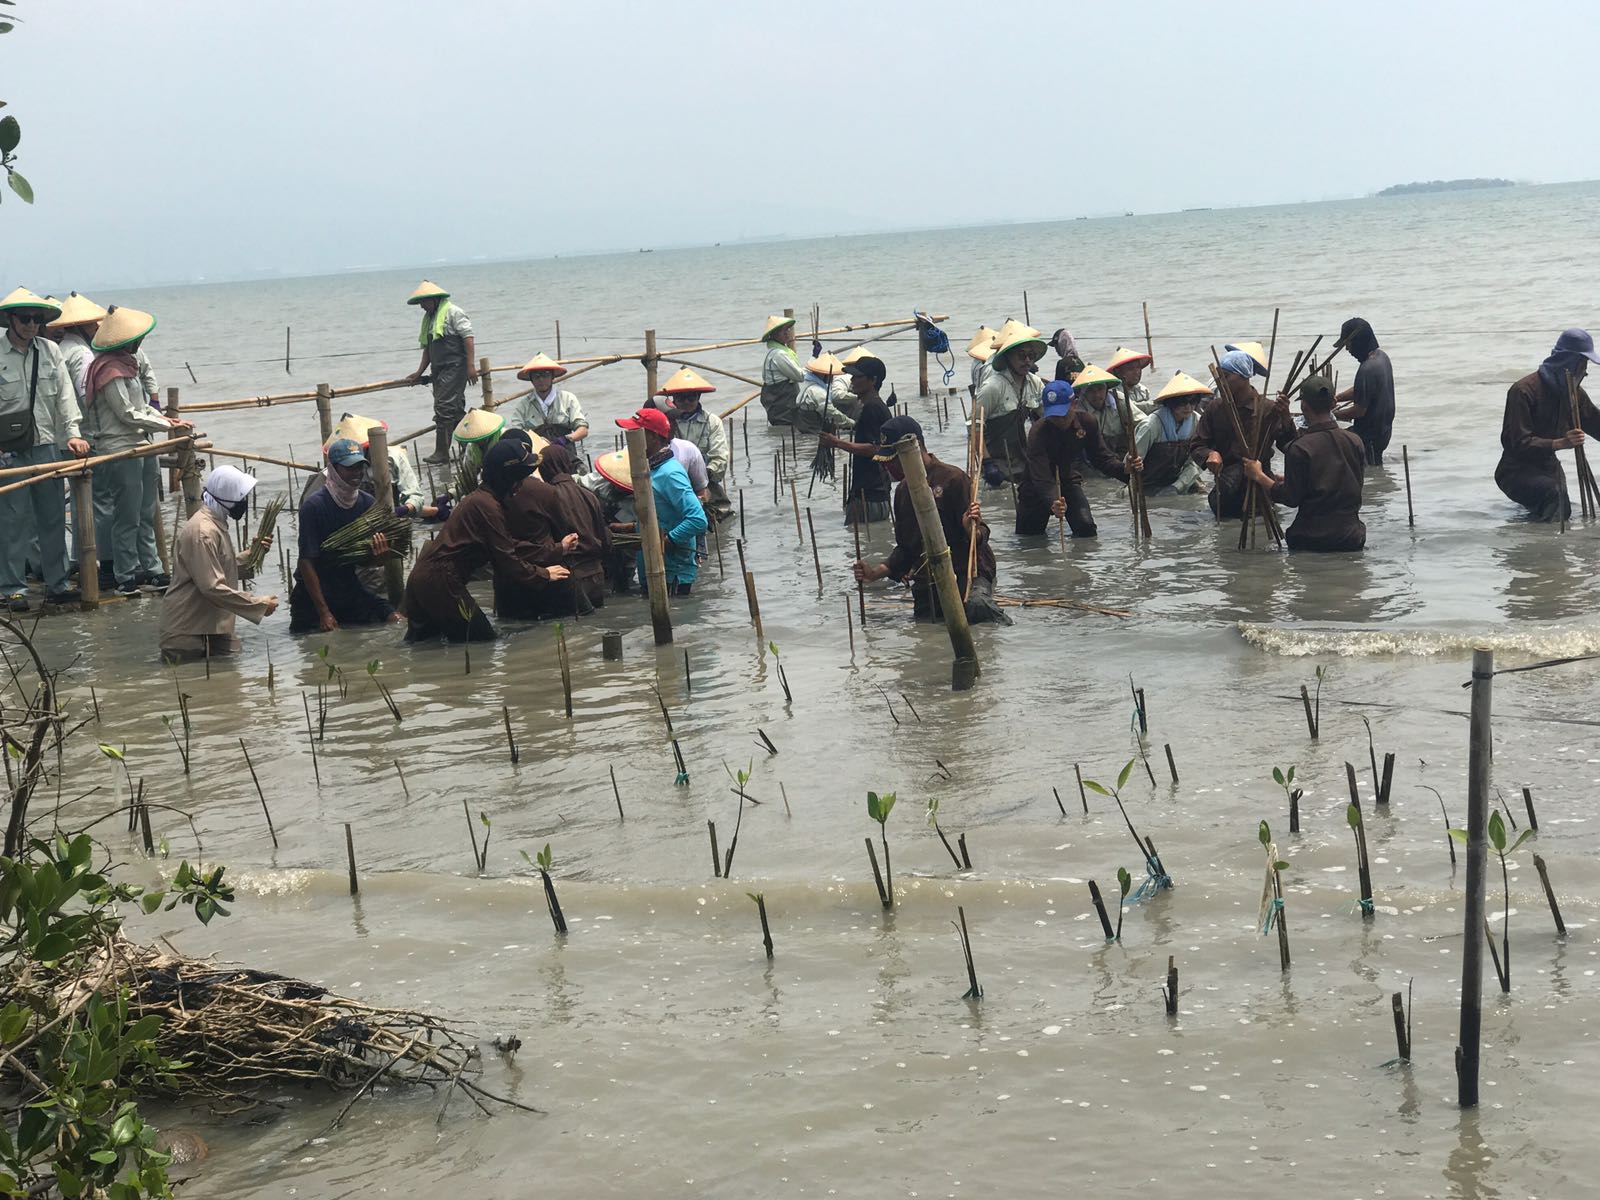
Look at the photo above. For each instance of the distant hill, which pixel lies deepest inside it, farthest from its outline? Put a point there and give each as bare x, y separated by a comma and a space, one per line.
1445, 185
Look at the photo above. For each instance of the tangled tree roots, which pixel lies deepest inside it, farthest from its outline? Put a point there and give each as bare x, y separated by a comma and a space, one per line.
246, 1034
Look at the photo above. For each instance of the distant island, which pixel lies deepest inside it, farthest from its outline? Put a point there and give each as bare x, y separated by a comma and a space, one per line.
1445, 185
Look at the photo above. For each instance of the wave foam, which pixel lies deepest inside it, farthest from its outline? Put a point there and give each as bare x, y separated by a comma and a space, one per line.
1535, 643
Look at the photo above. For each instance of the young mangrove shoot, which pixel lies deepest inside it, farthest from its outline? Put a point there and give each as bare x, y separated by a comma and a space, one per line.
1497, 839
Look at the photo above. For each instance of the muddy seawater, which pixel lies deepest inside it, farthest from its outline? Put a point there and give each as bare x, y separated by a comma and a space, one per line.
670, 1057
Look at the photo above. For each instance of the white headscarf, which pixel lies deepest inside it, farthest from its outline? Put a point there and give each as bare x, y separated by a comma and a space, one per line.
226, 486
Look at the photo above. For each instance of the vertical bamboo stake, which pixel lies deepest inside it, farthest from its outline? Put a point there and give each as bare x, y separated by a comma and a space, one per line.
649, 364
286, 332
922, 364
88, 550
816, 558
850, 626
259, 794
324, 412
511, 742
172, 412
1467, 1046
1149, 348
861, 588
644, 504
1405, 461
794, 500
350, 858
1549, 894
486, 380
909, 451
394, 572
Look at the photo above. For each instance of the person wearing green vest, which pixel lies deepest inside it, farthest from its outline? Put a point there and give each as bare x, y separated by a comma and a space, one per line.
449, 352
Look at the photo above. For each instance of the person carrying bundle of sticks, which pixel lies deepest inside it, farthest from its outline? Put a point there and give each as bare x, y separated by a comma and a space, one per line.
1218, 444
1545, 412
329, 594
1322, 472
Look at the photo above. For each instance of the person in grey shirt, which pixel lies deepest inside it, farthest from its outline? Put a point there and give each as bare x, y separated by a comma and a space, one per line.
450, 352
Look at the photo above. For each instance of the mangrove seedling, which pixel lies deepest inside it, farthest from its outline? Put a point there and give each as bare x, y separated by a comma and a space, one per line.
740, 779
1272, 895
1285, 780
1313, 717
1380, 786
1449, 841
383, 690
933, 820
783, 679
974, 990
760, 899
542, 862
1124, 883
1157, 877
1358, 828
879, 808
119, 757
183, 749
334, 672
1497, 839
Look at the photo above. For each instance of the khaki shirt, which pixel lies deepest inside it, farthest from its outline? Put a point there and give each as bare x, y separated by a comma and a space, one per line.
119, 417
1000, 394
705, 430
55, 404
561, 413
205, 598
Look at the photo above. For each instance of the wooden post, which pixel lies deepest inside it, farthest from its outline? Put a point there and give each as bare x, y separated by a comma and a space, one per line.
394, 573
922, 364
189, 479
644, 505
909, 451
325, 412
88, 551
1477, 860
649, 364
486, 380
558, 341
172, 411
350, 858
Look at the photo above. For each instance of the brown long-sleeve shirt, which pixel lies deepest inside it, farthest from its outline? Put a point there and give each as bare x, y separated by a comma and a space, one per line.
475, 535
952, 494
205, 597
1216, 431
1322, 473
1057, 448
581, 512
1535, 417
533, 514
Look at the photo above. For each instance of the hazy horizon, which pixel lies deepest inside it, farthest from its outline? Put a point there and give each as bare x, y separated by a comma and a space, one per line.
302, 139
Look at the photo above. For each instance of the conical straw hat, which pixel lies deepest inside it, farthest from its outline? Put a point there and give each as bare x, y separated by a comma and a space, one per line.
124, 325
825, 364
357, 429
1091, 376
1014, 334
774, 324
685, 381
982, 344
1183, 385
540, 362
615, 470
479, 425
78, 310
427, 290
1125, 357
1256, 351
22, 298
856, 355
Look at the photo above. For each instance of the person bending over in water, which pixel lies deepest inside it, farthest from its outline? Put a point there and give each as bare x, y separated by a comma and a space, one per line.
199, 609
1538, 422
1322, 470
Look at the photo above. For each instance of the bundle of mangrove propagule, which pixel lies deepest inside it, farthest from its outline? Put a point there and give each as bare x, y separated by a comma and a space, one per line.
350, 546
257, 554
246, 1034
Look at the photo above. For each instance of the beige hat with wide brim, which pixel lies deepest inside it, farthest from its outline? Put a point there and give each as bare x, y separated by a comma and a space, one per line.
427, 290
540, 362
1092, 376
1256, 351
856, 355
22, 298
1125, 357
1015, 333
982, 344
123, 326
683, 382
78, 310
615, 470
1184, 387
774, 324
478, 425
357, 429
825, 364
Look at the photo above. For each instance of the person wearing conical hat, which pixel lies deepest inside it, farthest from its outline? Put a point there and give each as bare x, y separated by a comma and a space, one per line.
118, 416
815, 407
1061, 440
1166, 441
39, 423
980, 350
611, 485
692, 423
1321, 480
450, 353
781, 371
1129, 366
1008, 399
201, 608
1093, 388
1217, 447
476, 433
329, 595
1255, 351
551, 412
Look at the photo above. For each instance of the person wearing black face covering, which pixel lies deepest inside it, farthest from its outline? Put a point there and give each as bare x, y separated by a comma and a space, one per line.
437, 602
1368, 404
1538, 422
200, 607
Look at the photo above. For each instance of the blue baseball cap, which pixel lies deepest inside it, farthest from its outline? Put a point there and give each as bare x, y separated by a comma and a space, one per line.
345, 452
1057, 398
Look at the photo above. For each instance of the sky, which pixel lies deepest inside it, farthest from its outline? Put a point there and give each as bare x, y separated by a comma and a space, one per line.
180, 140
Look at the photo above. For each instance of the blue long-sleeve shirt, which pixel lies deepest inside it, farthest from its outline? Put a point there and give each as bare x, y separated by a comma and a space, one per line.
680, 518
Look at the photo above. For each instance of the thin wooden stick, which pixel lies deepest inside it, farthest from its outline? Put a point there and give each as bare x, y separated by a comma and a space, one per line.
259, 794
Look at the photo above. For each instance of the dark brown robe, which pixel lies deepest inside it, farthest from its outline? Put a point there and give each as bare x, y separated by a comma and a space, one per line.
436, 601
1528, 471
1322, 472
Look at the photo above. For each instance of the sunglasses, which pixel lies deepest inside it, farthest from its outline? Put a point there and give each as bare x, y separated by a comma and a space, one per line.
31, 317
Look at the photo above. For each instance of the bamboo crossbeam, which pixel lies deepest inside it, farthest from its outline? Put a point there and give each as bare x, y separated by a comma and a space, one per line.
40, 472
741, 404
694, 366
250, 456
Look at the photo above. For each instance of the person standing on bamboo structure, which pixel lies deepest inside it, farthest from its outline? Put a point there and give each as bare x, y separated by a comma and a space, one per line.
200, 609
552, 413
1539, 421
1009, 399
450, 353
1322, 472
117, 417
1129, 368
1059, 443
686, 392
781, 372
1368, 403
1217, 445
960, 518
39, 423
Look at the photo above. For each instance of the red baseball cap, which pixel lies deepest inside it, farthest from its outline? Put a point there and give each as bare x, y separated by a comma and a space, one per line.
652, 419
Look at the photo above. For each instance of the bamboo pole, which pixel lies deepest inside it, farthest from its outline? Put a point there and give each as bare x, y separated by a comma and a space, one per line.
394, 575
22, 477
655, 565
735, 409
188, 479
172, 411
486, 381
88, 551
324, 412
249, 456
1467, 1046
649, 361
1149, 347
909, 451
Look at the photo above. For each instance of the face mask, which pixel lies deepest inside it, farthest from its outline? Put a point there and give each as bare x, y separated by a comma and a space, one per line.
237, 510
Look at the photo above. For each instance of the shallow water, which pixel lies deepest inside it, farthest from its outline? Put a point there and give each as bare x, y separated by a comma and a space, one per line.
670, 1057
